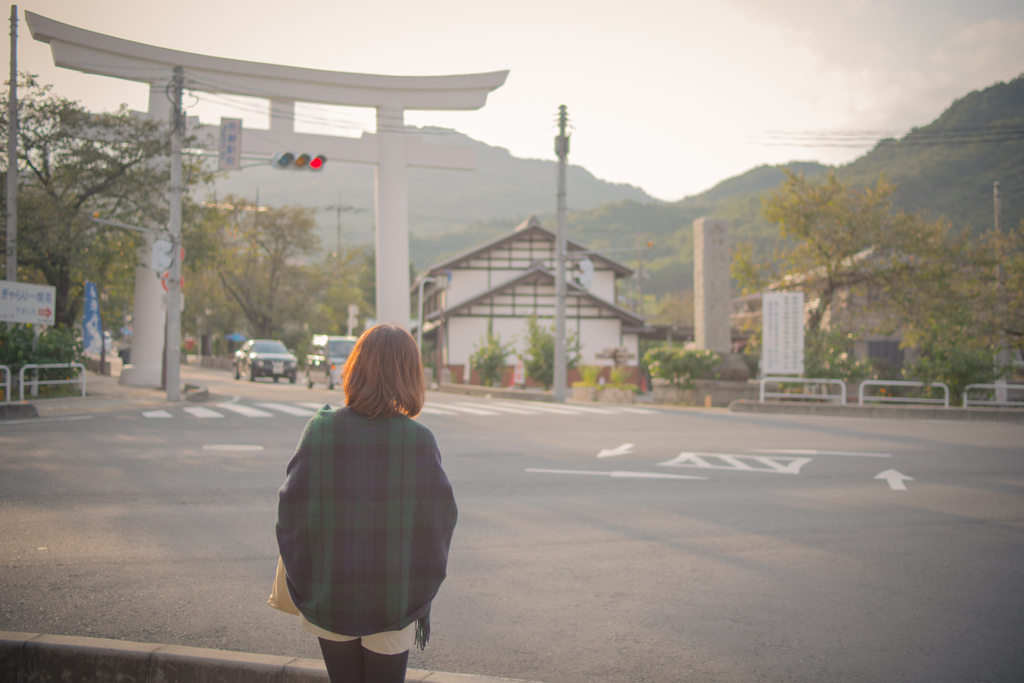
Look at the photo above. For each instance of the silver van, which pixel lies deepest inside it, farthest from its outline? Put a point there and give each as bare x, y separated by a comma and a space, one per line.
326, 359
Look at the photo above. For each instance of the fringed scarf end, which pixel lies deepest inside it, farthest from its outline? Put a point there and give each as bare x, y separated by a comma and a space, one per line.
423, 630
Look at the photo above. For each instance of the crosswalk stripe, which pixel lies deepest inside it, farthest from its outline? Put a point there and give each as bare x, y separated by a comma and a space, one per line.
638, 411
248, 411
156, 413
199, 411
318, 406
588, 409
549, 408
430, 410
291, 410
471, 411
500, 408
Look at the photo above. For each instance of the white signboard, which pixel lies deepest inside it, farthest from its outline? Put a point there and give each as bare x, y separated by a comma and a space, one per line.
782, 333
25, 303
230, 156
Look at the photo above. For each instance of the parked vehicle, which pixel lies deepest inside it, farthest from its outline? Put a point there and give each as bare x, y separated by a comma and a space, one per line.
265, 358
326, 359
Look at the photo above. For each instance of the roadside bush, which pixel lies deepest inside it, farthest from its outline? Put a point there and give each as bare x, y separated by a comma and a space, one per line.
588, 376
828, 354
55, 345
681, 367
489, 357
539, 355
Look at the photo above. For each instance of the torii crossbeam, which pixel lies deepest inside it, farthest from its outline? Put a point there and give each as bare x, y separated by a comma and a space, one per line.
391, 149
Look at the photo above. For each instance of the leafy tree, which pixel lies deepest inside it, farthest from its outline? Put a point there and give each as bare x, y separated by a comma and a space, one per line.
262, 265
680, 366
64, 179
539, 355
841, 241
489, 356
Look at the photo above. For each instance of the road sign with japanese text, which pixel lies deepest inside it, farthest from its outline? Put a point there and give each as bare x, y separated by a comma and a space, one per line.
24, 303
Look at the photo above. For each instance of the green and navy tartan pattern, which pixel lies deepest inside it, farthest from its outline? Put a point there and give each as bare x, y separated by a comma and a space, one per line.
364, 523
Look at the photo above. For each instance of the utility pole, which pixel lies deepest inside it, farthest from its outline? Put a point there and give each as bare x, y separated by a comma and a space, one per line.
995, 198
173, 341
12, 155
562, 151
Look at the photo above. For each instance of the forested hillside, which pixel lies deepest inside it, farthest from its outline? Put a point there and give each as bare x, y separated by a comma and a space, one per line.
944, 168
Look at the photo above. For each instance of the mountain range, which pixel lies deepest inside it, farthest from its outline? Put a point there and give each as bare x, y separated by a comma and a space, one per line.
944, 168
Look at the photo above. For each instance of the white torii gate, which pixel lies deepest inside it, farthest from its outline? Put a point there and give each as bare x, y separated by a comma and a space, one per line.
391, 149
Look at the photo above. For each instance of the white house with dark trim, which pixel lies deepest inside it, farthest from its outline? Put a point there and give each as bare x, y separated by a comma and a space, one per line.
512, 278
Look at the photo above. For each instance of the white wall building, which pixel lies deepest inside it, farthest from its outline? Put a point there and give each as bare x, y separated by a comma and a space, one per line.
512, 278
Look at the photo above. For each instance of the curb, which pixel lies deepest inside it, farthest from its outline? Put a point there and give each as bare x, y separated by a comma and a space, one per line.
54, 659
17, 411
1009, 415
499, 392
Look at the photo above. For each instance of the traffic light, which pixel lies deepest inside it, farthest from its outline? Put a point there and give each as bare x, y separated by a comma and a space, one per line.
298, 162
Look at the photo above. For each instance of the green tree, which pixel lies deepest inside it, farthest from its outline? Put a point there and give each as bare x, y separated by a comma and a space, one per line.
488, 357
73, 164
539, 355
828, 354
839, 242
262, 266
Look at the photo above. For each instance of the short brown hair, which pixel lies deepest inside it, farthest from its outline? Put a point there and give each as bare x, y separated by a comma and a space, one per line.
383, 374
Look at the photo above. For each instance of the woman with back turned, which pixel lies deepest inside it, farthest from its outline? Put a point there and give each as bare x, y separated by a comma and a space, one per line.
366, 515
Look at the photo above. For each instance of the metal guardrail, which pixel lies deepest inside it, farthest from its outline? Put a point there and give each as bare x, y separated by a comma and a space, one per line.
993, 388
46, 366
901, 383
840, 399
6, 384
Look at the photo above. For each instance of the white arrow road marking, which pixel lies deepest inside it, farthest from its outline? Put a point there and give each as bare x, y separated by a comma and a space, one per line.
622, 475
624, 449
738, 462
895, 479
802, 451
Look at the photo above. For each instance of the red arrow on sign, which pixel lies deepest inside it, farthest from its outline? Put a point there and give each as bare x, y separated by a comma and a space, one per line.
44, 312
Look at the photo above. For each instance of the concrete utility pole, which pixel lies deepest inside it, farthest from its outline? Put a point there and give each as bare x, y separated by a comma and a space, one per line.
12, 155
173, 342
562, 150
995, 198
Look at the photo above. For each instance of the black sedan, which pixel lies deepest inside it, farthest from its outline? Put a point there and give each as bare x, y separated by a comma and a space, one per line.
265, 358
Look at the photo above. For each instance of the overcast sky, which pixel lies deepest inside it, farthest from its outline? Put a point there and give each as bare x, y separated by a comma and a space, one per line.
671, 96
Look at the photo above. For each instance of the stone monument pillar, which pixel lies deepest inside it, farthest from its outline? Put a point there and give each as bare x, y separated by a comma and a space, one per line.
711, 298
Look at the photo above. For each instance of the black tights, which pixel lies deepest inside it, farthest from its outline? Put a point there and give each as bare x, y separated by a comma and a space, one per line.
349, 662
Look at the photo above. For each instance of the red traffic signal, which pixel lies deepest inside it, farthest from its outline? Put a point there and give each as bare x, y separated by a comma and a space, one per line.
298, 162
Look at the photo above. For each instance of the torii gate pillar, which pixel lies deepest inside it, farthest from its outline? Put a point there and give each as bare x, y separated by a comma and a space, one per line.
391, 149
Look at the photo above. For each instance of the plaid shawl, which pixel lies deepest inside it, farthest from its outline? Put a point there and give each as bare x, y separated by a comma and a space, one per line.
364, 523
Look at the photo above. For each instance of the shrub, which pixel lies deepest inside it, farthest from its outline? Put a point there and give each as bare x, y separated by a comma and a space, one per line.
539, 355
489, 357
588, 376
681, 367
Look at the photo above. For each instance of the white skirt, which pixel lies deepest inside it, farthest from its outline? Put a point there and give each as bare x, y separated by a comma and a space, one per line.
384, 643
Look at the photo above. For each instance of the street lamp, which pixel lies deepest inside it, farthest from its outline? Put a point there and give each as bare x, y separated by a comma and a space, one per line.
419, 327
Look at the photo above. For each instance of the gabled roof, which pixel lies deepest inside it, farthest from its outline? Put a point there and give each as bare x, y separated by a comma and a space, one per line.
530, 227
540, 274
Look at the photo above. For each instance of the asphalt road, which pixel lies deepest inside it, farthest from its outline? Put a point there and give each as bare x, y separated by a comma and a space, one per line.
702, 546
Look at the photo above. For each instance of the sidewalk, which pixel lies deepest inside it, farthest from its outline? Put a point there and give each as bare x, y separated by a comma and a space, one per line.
51, 659
102, 392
